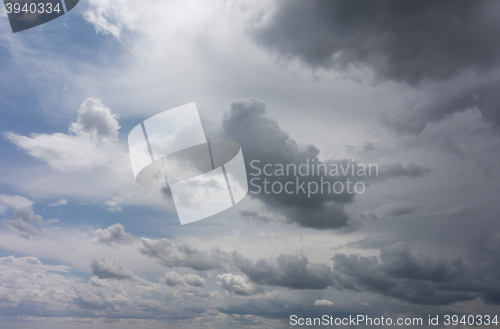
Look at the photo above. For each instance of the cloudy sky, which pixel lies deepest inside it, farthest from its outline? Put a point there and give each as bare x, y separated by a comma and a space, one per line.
411, 86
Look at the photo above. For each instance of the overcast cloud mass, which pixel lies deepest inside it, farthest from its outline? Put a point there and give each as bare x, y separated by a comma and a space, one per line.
408, 86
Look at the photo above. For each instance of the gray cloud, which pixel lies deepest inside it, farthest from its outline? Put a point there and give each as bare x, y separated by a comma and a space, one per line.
174, 279
289, 271
366, 243
485, 270
179, 254
395, 209
262, 139
22, 223
254, 216
398, 273
422, 279
406, 41
367, 147
360, 274
462, 211
107, 268
398, 171
115, 234
285, 271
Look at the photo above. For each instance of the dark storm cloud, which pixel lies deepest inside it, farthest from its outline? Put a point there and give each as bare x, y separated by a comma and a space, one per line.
262, 139
422, 279
486, 268
407, 41
401, 40
289, 271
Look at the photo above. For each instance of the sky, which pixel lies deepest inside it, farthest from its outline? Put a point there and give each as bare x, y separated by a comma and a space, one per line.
406, 86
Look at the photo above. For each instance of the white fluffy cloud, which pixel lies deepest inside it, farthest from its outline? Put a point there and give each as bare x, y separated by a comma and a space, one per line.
97, 120
111, 16
14, 201
115, 234
323, 302
27, 282
90, 164
62, 152
86, 147
237, 285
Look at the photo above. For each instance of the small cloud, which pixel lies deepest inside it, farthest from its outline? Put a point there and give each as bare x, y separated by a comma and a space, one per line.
323, 302
62, 202
107, 268
14, 201
115, 204
237, 285
113, 234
